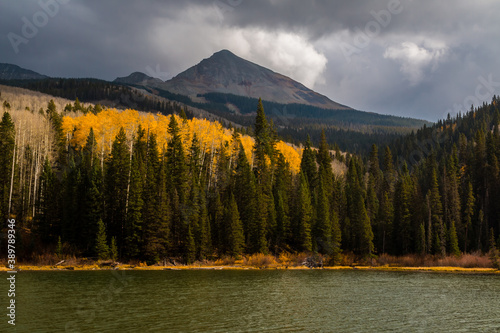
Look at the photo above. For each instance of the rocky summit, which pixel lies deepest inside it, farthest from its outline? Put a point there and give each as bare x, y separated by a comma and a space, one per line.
224, 72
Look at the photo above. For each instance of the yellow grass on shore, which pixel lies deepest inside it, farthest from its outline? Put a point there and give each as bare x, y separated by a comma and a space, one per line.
467, 263
97, 267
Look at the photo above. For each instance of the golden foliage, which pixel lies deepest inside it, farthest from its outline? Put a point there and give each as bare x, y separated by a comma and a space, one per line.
291, 154
210, 134
260, 260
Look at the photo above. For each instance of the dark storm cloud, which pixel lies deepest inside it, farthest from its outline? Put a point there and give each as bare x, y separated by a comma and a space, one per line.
91, 39
426, 58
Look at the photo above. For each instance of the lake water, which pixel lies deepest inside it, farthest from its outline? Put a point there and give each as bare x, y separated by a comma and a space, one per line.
254, 301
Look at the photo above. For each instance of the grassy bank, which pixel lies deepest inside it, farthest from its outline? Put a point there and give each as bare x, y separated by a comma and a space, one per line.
467, 263
441, 269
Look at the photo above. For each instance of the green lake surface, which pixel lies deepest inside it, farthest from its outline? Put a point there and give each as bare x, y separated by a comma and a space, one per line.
253, 301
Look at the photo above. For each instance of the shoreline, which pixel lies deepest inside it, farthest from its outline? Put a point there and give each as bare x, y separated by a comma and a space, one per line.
96, 267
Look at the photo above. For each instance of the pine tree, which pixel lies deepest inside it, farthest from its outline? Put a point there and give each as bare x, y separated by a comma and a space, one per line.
113, 250
361, 234
204, 239
389, 173
385, 222
323, 225
453, 241
182, 115
189, 246
328, 226
263, 138
452, 207
494, 253
59, 248
325, 167
281, 189
402, 214
217, 223
308, 165
134, 223
156, 213
78, 226
258, 232
234, 229
374, 170
372, 202
176, 161
421, 241
7, 143
264, 162
439, 242
335, 254
194, 211
47, 213
282, 221
195, 163
177, 173
305, 216
101, 244
246, 198
90, 193
468, 212
366, 247
223, 171
117, 179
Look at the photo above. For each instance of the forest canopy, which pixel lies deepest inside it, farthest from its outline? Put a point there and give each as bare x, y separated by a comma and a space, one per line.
115, 184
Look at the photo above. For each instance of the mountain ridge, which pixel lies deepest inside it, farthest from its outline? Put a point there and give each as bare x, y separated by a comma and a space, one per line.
302, 109
15, 72
138, 78
225, 72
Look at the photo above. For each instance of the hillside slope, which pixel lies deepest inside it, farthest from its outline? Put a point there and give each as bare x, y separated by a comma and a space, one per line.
227, 73
14, 72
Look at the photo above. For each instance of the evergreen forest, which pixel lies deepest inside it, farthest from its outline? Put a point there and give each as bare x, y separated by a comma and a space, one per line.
99, 183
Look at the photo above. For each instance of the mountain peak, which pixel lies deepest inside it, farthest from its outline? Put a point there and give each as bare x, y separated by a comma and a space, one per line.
14, 72
138, 78
225, 72
224, 52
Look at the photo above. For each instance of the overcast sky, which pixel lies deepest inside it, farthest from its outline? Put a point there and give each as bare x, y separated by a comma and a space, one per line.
420, 58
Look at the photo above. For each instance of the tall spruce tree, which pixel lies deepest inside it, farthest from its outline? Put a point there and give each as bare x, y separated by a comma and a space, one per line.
361, 233
7, 142
156, 212
177, 174
264, 161
282, 187
308, 165
234, 229
246, 199
101, 242
304, 216
402, 213
117, 178
47, 213
322, 235
134, 223
90, 194
453, 241
438, 228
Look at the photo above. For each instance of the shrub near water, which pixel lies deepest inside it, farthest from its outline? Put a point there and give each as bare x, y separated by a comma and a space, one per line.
260, 260
472, 260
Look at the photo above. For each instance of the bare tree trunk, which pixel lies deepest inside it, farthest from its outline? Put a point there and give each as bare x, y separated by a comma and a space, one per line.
129, 174
211, 163
429, 225
12, 174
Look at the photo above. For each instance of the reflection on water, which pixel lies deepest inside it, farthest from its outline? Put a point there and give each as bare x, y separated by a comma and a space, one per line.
255, 301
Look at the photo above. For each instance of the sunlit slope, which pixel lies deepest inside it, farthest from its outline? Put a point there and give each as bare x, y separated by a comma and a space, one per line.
210, 134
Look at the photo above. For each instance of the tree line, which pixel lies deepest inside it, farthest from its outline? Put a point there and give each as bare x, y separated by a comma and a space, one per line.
151, 203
